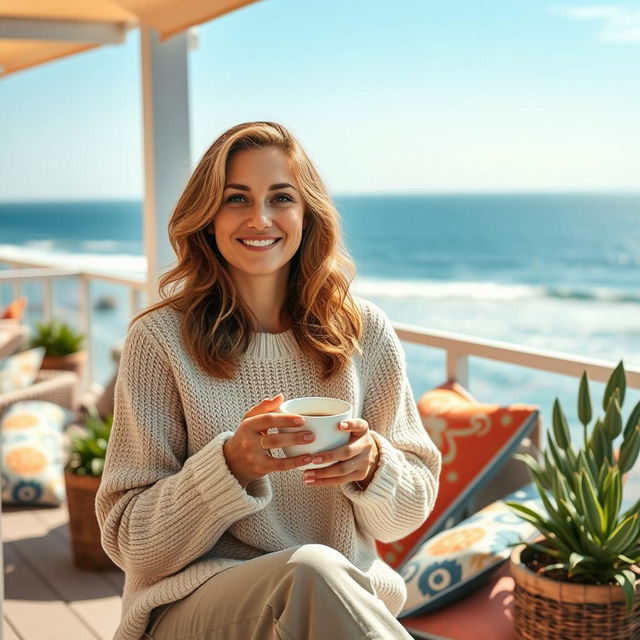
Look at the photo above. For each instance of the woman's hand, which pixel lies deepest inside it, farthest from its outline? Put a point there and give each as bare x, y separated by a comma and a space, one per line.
248, 451
356, 461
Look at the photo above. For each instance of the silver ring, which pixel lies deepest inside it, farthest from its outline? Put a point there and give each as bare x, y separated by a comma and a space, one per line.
268, 451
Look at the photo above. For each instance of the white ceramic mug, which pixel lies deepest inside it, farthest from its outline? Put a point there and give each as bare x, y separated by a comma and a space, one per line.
325, 426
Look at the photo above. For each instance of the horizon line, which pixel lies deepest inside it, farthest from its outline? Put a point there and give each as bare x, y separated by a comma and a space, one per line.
465, 192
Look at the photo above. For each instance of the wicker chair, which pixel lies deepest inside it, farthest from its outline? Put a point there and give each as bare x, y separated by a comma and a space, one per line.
60, 387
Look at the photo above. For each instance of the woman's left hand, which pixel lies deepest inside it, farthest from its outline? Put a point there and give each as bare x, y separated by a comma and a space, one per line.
356, 461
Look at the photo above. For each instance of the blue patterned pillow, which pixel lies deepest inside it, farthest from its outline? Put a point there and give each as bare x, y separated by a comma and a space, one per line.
32, 452
458, 560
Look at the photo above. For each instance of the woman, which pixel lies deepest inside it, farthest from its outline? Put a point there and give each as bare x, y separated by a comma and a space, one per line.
219, 535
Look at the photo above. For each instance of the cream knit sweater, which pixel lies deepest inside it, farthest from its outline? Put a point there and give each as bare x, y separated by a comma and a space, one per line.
171, 513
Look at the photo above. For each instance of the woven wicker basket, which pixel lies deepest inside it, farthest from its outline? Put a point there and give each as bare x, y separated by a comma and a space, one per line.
88, 553
547, 609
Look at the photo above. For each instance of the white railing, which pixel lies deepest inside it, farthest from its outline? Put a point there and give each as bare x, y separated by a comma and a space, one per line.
22, 272
458, 347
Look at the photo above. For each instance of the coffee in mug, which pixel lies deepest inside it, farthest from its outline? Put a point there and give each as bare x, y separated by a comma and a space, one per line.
314, 415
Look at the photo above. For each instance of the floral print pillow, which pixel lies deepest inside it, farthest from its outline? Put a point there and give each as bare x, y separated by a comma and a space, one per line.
457, 560
33, 453
20, 370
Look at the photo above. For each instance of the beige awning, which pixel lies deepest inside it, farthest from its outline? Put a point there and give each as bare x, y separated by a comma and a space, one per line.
36, 31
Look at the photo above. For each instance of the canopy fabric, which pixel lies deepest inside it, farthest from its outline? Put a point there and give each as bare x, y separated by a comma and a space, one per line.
22, 54
100, 10
167, 17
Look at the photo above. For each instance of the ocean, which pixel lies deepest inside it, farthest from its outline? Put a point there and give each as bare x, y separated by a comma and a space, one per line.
551, 271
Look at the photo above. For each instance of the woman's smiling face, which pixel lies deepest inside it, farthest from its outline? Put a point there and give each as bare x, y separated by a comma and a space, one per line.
261, 201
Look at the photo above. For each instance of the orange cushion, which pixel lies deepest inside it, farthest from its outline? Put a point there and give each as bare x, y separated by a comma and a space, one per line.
486, 614
475, 439
15, 309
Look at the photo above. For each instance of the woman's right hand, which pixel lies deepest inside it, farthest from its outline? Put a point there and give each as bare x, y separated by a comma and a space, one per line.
248, 451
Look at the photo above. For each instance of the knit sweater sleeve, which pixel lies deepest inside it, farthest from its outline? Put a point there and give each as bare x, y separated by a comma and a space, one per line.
158, 509
403, 489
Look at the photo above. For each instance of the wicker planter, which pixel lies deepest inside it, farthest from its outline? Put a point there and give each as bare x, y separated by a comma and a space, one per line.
73, 362
547, 609
85, 533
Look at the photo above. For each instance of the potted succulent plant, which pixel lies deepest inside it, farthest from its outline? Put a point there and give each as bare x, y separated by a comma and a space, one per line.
83, 472
581, 578
63, 346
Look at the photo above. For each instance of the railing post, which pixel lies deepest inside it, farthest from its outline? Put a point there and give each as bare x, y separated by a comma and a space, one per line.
17, 290
135, 296
458, 368
47, 299
85, 324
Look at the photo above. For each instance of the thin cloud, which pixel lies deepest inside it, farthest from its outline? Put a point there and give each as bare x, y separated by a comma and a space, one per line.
620, 24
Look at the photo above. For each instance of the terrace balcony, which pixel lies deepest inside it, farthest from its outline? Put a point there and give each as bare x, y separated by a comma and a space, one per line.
47, 597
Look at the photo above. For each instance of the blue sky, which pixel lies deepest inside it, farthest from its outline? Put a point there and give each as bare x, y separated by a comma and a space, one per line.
411, 96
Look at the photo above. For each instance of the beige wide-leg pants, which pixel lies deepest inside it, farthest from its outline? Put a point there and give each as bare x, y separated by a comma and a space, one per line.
311, 592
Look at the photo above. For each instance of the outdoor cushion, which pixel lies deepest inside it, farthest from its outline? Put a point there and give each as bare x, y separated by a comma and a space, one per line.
485, 614
475, 440
32, 452
458, 560
13, 337
20, 370
14, 310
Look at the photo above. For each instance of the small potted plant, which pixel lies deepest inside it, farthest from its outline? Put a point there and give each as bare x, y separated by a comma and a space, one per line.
63, 346
83, 472
581, 578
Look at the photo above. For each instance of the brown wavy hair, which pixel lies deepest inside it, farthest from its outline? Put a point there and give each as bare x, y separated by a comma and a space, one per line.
216, 323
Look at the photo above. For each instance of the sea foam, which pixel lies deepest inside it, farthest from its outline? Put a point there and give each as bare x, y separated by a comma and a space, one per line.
476, 290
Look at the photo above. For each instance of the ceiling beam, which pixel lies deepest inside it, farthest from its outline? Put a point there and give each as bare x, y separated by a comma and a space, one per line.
64, 30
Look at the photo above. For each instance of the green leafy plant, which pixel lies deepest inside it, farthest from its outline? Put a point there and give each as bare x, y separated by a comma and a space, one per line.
58, 338
88, 449
584, 530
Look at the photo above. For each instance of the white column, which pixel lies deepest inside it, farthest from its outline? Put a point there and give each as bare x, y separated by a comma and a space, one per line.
167, 156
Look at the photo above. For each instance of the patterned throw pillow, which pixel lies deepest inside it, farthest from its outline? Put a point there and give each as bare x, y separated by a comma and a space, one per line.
475, 439
458, 560
32, 452
20, 370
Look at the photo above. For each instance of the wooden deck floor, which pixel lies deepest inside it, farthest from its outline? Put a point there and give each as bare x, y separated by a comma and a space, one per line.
46, 597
